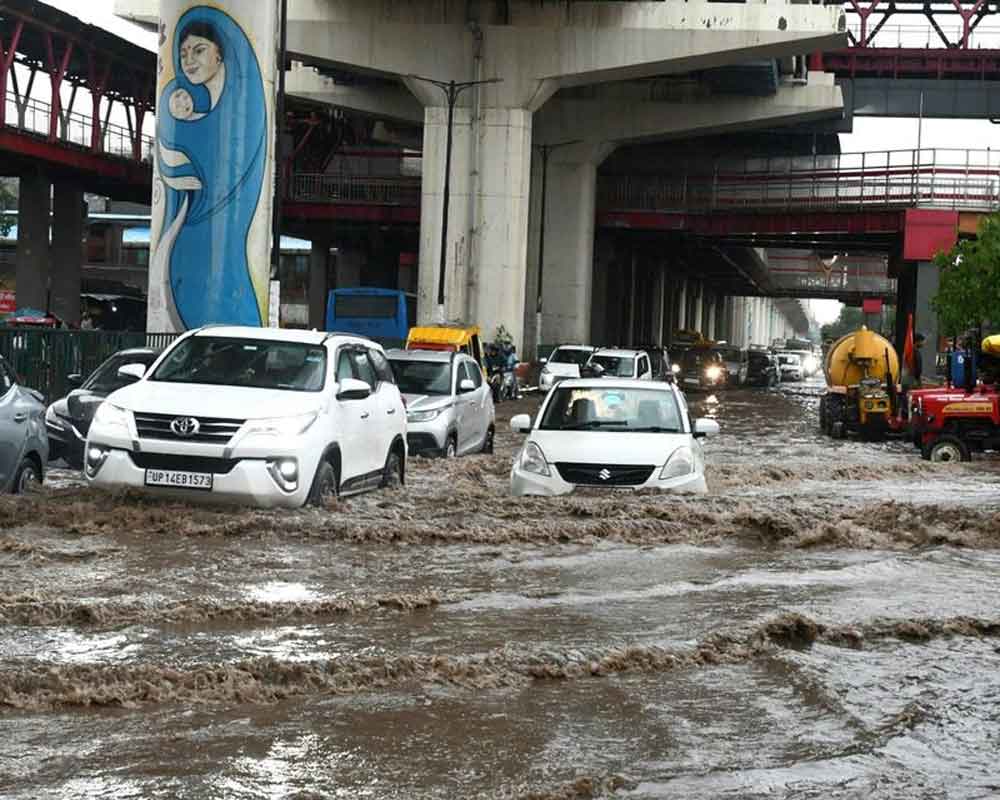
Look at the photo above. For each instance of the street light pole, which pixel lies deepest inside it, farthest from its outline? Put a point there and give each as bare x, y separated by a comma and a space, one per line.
545, 149
452, 90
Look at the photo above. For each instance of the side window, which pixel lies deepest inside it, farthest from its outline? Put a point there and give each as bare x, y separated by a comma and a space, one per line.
6, 379
363, 368
475, 374
643, 365
344, 368
381, 364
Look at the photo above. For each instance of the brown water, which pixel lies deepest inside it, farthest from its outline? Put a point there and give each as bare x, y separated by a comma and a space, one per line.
824, 624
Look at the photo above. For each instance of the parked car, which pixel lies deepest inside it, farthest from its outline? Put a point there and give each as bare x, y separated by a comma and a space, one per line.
610, 433
260, 415
791, 366
702, 368
737, 363
449, 407
622, 364
564, 362
68, 419
763, 369
24, 446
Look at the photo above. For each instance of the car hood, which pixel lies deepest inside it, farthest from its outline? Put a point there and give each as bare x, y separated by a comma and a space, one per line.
563, 370
225, 402
591, 447
425, 402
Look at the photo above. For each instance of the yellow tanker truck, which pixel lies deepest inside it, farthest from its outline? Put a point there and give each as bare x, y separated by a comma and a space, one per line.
862, 372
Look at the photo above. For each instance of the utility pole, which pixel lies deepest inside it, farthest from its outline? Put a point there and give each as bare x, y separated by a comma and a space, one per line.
545, 149
452, 90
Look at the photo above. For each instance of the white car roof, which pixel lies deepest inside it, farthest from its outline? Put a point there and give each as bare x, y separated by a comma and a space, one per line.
614, 383
619, 353
276, 334
573, 347
439, 356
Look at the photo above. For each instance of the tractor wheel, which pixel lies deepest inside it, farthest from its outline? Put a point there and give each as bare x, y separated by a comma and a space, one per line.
946, 449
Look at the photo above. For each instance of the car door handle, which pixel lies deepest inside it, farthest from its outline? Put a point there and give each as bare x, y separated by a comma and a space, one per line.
365, 415
20, 416
391, 411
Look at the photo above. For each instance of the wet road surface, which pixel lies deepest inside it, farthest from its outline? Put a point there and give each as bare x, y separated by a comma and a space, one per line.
824, 624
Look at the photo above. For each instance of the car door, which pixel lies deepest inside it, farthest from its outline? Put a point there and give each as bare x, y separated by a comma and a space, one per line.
353, 418
473, 406
12, 431
388, 412
464, 403
376, 444
482, 407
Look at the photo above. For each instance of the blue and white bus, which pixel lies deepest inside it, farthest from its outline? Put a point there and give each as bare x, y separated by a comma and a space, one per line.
380, 314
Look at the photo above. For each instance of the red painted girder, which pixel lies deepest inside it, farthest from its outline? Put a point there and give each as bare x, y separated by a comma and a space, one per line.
893, 62
780, 222
138, 173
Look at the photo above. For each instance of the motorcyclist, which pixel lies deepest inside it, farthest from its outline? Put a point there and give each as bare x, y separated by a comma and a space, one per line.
495, 363
510, 368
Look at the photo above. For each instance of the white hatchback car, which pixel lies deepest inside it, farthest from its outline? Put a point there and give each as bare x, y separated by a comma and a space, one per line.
610, 433
623, 364
564, 362
259, 415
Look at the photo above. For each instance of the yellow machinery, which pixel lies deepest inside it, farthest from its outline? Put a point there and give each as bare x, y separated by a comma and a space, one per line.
862, 370
991, 345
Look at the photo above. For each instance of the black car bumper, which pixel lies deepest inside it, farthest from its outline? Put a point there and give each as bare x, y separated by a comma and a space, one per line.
66, 442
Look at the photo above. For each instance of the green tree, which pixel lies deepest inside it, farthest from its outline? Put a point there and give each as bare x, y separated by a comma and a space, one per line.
969, 290
7, 201
851, 318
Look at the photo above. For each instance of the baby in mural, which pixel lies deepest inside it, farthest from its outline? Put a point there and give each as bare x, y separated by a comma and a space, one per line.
181, 104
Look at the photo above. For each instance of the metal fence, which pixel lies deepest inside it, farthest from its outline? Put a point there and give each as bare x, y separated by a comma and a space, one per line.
43, 358
964, 180
333, 188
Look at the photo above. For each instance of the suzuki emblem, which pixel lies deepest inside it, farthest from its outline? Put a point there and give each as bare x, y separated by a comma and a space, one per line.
185, 427
604, 474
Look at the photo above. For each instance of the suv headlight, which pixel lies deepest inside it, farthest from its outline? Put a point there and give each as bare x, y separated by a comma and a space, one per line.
424, 416
675, 368
111, 416
713, 373
680, 463
281, 426
533, 460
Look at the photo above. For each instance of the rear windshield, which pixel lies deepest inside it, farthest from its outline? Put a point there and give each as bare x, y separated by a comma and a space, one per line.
254, 363
615, 366
565, 355
422, 377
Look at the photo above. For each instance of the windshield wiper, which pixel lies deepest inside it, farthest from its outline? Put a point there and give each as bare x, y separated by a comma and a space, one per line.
594, 423
655, 429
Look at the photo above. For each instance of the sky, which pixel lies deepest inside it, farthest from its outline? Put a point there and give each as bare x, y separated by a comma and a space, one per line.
869, 134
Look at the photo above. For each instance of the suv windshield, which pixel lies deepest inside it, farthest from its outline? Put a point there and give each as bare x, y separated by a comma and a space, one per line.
422, 377
615, 366
626, 410
105, 378
565, 355
255, 363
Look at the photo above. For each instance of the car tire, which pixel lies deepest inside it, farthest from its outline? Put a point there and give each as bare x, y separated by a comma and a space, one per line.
948, 449
392, 474
488, 441
27, 477
450, 447
326, 485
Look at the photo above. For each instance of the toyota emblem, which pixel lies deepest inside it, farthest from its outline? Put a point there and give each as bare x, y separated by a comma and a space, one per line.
185, 427
604, 474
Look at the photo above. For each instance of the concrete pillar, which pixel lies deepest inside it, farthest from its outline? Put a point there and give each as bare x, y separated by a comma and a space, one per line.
68, 215
319, 271
213, 185
925, 321
486, 251
698, 320
682, 302
32, 260
603, 263
710, 305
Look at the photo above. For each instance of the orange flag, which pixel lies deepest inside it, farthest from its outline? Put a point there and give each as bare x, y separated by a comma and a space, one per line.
908, 354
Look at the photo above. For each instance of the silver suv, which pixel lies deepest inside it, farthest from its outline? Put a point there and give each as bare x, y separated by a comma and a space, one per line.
449, 407
24, 444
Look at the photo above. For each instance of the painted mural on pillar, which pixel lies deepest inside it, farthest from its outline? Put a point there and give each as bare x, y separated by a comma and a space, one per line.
211, 164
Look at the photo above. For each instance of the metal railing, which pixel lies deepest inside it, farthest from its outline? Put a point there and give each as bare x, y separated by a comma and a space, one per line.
916, 36
43, 358
964, 180
74, 128
334, 188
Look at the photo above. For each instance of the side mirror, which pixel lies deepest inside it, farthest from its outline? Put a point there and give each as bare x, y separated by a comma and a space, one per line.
543, 361
466, 386
74, 381
132, 372
521, 423
353, 389
705, 427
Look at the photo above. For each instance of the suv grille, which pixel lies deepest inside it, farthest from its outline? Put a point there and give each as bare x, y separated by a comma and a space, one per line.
210, 429
604, 474
217, 466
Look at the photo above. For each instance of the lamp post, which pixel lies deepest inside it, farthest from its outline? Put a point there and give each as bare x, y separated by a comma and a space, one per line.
452, 90
545, 149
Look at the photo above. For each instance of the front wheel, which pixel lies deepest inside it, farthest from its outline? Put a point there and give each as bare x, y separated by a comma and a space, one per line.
27, 478
326, 486
450, 448
392, 475
488, 442
947, 449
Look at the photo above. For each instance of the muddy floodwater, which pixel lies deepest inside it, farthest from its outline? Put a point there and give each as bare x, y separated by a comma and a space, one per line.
824, 624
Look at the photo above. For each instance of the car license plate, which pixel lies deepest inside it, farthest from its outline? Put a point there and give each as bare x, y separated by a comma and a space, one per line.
176, 479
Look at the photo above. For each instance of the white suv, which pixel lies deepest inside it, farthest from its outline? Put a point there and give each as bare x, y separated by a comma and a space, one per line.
260, 415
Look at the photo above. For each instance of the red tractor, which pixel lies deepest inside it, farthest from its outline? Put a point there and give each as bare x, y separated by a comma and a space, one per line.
950, 423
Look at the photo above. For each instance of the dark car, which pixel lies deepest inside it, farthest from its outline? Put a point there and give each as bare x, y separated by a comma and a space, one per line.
702, 368
24, 446
763, 369
68, 419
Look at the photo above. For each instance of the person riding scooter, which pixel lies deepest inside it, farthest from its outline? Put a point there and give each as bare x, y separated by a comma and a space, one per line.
495, 365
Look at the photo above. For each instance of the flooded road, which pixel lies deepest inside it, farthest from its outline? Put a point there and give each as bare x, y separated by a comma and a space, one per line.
824, 624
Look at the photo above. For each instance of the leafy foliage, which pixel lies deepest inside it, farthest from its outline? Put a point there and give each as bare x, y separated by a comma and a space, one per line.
851, 318
969, 291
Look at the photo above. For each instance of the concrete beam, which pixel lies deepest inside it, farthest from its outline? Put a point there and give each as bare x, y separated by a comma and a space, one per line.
625, 120
391, 102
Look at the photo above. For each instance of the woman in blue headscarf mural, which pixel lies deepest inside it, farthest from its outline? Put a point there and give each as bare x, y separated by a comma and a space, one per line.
211, 151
